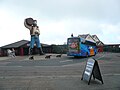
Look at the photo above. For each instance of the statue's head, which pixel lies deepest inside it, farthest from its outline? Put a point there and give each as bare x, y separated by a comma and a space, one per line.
34, 22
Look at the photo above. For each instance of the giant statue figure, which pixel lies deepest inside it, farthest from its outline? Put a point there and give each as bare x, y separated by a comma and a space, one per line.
31, 24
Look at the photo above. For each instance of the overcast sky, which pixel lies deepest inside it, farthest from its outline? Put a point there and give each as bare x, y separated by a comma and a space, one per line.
57, 19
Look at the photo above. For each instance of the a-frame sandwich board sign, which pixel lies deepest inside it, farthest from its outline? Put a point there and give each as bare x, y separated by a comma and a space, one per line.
91, 69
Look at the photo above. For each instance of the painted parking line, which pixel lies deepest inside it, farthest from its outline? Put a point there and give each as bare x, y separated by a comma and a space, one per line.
41, 76
111, 74
66, 61
11, 66
100, 57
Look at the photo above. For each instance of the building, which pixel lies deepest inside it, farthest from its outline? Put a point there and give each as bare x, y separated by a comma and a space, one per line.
95, 39
99, 43
87, 37
112, 48
22, 48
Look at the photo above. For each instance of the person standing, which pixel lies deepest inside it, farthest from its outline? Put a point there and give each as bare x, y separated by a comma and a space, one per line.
34, 32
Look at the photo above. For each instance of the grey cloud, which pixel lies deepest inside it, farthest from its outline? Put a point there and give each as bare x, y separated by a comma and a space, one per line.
99, 10
103, 10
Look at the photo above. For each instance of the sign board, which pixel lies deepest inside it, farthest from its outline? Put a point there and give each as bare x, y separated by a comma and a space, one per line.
91, 69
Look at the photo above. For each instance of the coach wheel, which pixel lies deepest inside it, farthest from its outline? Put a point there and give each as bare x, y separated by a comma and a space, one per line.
95, 54
87, 54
